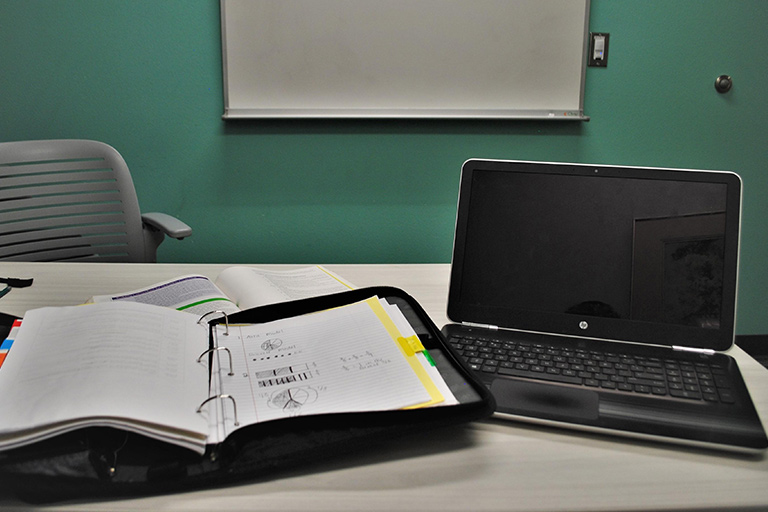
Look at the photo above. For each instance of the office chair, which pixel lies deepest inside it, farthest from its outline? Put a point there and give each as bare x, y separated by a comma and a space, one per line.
74, 200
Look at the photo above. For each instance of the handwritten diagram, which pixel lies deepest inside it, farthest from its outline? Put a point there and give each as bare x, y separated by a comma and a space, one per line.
292, 400
283, 375
271, 344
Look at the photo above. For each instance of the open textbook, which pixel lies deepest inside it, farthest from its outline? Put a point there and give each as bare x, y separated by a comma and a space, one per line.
235, 288
163, 374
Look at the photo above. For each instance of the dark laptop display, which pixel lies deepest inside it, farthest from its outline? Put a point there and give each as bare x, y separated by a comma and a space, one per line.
559, 269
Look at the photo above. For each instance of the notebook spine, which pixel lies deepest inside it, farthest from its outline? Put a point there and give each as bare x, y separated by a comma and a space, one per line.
220, 397
226, 319
216, 349
211, 351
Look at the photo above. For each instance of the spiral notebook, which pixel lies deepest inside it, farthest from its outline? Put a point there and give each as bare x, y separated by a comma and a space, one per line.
600, 297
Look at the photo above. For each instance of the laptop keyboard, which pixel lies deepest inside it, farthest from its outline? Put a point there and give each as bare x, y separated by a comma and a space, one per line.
629, 373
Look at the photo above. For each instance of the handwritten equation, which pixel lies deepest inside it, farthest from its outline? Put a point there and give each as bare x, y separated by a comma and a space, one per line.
362, 361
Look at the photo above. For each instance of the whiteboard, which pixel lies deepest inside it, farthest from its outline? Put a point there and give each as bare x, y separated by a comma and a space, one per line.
404, 58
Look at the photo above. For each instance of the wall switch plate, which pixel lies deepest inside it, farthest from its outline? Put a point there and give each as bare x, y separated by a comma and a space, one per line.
598, 49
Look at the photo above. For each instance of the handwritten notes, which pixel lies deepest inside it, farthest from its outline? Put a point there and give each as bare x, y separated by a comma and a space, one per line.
340, 360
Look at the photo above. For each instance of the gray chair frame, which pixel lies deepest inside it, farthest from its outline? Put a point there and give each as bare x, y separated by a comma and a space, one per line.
74, 200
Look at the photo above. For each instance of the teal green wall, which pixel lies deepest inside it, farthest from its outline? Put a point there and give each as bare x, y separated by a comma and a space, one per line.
145, 76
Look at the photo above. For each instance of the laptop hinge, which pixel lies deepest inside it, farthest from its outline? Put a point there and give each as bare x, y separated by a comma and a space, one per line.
706, 351
481, 326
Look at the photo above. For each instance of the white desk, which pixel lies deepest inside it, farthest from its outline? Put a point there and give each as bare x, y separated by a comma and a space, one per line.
487, 465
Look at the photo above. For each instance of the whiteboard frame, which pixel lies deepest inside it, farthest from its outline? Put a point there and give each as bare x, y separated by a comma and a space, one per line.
573, 114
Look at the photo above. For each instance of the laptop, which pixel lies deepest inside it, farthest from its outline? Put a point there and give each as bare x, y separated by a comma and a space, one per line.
601, 297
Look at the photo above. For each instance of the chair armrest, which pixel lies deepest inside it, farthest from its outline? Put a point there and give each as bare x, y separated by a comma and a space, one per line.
171, 226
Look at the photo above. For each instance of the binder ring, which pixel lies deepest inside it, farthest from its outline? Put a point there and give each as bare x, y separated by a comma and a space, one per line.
221, 397
231, 367
226, 319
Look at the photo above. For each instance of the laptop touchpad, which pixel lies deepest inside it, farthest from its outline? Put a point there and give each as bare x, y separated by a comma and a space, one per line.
544, 401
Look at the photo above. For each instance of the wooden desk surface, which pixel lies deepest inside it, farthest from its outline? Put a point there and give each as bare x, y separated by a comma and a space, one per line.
489, 465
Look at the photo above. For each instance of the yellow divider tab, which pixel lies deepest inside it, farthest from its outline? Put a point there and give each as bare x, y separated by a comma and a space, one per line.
411, 345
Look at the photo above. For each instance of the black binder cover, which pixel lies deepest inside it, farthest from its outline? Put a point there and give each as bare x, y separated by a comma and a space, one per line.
106, 462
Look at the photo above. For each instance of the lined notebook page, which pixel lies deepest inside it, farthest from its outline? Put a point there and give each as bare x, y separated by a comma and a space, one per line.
340, 360
118, 363
426, 362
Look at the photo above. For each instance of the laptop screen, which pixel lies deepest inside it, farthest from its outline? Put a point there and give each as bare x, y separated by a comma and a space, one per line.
620, 253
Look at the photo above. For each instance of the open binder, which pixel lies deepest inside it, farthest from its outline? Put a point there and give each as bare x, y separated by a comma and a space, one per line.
109, 461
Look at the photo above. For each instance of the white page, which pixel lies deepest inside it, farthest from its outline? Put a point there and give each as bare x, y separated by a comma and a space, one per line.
339, 360
122, 362
250, 287
407, 330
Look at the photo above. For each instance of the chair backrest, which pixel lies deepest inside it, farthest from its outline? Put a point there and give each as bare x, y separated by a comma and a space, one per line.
67, 200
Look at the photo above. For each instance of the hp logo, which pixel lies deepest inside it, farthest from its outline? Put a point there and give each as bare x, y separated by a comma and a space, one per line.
583, 325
